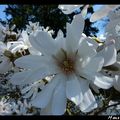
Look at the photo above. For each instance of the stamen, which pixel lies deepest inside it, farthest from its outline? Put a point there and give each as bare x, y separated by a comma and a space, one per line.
64, 52
66, 63
67, 66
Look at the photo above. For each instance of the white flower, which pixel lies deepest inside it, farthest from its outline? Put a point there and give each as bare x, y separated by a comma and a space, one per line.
2, 35
22, 108
32, 89
108, 52
102, 12
5, 107
117, 82
113, 110
23, 43
112, 31
105, 49
33, 27
6, 31
73, 63
100, 100
67, 9
113, 28
5, 63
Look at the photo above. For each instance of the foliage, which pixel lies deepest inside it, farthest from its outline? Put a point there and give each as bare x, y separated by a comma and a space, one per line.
46, 15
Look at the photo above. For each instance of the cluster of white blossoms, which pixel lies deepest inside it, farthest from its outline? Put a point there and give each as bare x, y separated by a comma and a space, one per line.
48, 72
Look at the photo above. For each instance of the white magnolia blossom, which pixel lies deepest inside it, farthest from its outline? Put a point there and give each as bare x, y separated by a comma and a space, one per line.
5, 64
33, 27
5, 107
23, 43
116, 74
113, 110
74, 64
100, 100
7, 31
67, 9
113, 28
107, 50
22, 108
112, 32
2, 35
102, 12
32, 89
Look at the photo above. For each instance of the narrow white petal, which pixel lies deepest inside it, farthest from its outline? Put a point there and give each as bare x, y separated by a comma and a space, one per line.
19, 78
59, 98
67, 9
85, 50
34, 94
100, 13
103, 81
38, 74
43, 42
31, 61
27, 77
117, 83
112, 32
28, 94
94, 65
84, 11
45, 95
109, 54
60, 40
74, 32
48, 109
110, 28
88, 103
73, 90
26, 89
33, 51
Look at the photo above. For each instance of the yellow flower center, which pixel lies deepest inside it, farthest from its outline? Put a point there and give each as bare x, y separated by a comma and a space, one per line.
67, 66
65, 63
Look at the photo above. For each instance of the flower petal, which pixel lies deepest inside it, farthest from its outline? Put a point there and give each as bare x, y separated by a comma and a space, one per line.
19, 78
33, 51
85, 50
28, 94
73, 90
45, 95
27, 77
31, 61
60, 40
88, 103
74, 32
109, 53
113, 33
117, 83
48, 109
67, 9
59, 98
94, 65
43, 42
103, 81
102, 12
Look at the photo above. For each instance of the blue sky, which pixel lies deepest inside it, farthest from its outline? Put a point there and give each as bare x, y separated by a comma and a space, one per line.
99, 23
96, 7
2, 14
